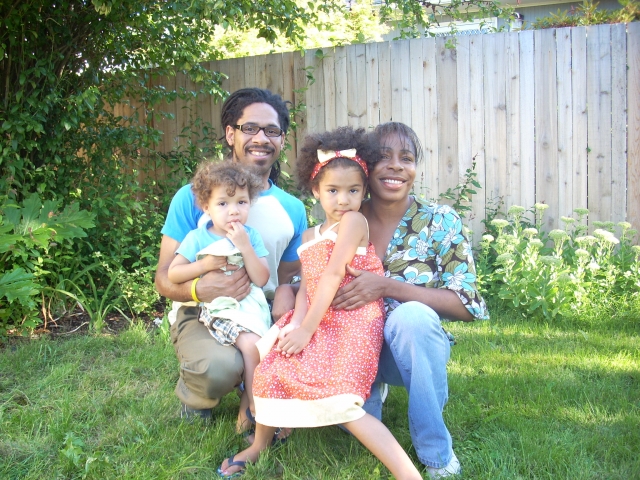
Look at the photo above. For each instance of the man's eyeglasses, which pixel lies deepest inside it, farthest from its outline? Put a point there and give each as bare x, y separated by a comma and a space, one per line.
250, 129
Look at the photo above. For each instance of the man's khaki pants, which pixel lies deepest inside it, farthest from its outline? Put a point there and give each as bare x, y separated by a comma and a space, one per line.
208, 370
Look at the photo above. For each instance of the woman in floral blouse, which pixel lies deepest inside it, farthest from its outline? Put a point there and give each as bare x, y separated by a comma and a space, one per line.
429, 275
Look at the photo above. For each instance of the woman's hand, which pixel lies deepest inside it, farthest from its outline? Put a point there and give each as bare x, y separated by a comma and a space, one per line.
365, 288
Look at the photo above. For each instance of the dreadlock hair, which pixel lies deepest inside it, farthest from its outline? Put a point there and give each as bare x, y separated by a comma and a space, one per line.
234, 106
403, 132
342, 138
232, 175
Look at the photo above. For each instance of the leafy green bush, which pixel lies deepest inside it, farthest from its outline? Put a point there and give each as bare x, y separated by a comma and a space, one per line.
38, 247
561, 272
588, 14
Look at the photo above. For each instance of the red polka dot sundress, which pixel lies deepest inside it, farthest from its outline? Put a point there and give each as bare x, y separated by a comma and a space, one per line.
328, 382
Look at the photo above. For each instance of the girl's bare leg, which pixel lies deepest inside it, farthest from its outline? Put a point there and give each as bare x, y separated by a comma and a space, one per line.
378, 439
264, 435
243, 423
246, 343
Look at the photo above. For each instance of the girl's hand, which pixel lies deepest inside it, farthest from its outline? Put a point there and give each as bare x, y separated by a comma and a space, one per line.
365, 288
239, 236
283, 332
294, 341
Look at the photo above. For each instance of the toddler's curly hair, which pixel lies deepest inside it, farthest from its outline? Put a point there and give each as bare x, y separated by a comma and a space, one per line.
342, 138
232, 175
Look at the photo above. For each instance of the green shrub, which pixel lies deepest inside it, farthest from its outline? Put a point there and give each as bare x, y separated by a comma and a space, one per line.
588, 14
561, 272
38, 247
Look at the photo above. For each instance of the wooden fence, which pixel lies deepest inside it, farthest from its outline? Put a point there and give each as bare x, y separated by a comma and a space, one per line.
550, 116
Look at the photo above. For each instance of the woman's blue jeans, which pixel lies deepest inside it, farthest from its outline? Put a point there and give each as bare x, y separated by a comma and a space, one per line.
414, 355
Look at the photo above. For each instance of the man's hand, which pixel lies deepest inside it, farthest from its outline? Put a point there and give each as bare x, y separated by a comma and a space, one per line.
216, 284
365, 288
293, 339
283, 300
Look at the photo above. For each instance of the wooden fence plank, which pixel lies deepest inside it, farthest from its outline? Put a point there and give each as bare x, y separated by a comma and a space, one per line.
250, 77
373, 88
429, 135
417, 114
301, 94
342, 93
447, 117
315, 101
400, 82
565, 130
463, 99
288, 94
330, 88
356, 94
633, 125
495, 116
546, 118
404, 61
579, 115
351, 82
273, 73
212, 114
476, 99
599, 121
384, 79
527, 124
512, 111
618, 123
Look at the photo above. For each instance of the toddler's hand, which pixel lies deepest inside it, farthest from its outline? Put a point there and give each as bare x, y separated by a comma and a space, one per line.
214, 262
239, 236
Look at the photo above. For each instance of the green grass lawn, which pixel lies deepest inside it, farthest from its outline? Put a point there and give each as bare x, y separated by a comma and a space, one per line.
527, 400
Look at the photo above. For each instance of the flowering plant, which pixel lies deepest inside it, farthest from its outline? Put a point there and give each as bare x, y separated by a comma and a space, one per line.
559, 272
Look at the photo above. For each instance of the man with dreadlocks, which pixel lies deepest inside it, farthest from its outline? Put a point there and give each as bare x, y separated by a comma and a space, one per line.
255, 123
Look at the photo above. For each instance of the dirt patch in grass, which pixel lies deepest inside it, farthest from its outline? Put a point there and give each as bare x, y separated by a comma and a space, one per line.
78, 323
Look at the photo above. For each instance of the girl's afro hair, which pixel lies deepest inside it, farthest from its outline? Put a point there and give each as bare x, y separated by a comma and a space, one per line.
342, 138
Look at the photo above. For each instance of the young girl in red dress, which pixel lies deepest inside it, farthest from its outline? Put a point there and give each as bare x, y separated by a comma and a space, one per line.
322, 361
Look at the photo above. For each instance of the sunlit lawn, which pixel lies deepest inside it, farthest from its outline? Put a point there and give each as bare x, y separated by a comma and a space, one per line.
527, 400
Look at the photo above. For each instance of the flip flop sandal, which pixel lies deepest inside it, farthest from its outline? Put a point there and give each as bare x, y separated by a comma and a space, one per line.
232, 463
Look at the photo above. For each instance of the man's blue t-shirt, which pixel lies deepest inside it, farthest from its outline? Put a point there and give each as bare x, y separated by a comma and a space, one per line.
279, 217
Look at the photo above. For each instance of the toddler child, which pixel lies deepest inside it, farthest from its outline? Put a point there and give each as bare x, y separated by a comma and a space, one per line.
224, 192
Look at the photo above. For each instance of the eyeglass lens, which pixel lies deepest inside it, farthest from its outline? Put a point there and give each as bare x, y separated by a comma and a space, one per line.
254, 129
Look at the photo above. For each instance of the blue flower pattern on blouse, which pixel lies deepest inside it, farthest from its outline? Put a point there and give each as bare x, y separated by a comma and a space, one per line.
430, 248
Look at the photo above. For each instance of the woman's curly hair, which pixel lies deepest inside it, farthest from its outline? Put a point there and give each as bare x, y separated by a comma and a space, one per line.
228, 173
342, 138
